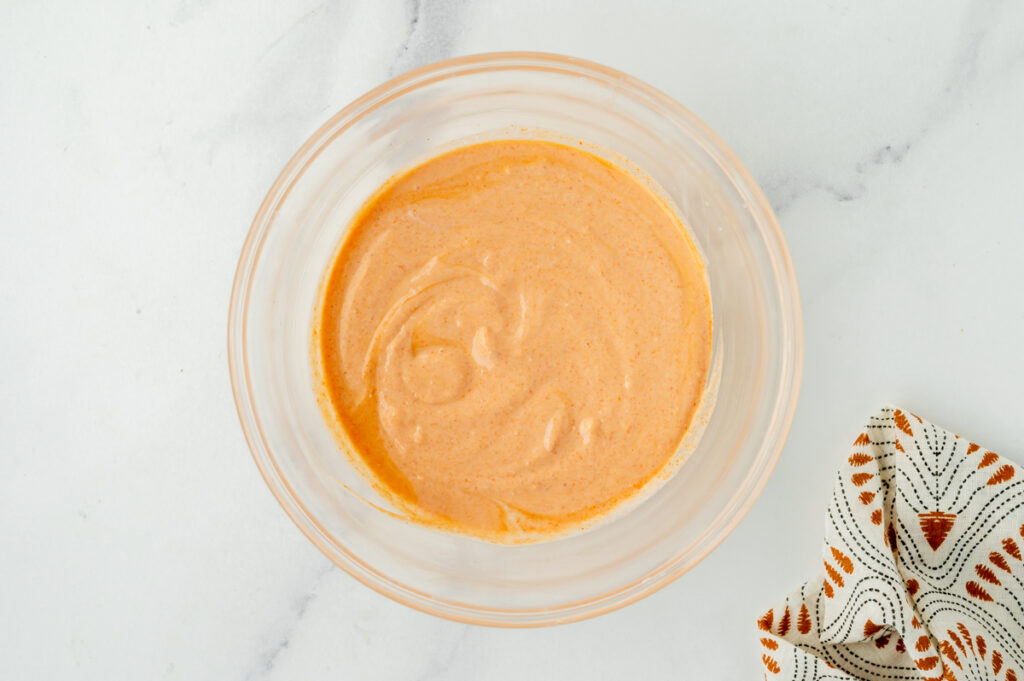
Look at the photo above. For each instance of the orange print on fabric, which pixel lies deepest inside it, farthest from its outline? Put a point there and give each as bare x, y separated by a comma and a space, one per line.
902, 422
936, 526
922, 565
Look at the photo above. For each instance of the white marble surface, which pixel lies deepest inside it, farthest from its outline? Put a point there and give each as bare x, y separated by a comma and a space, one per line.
137, 140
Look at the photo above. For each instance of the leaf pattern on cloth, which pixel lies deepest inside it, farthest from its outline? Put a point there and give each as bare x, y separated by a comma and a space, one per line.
923, 577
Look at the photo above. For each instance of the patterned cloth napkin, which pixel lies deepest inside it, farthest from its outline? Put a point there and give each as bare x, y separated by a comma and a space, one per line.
923, 572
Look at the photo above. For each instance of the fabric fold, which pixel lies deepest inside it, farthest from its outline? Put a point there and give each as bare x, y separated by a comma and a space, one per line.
922, 573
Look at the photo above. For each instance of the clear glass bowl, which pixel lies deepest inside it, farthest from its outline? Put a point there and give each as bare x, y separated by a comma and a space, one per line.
757, 345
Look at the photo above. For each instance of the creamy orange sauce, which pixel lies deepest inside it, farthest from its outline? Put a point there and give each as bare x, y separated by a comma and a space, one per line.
514, 337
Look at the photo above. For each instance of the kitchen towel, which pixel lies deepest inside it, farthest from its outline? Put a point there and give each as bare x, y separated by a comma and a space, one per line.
923, 574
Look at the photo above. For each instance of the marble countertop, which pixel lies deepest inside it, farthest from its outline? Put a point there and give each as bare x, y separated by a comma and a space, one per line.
137, 142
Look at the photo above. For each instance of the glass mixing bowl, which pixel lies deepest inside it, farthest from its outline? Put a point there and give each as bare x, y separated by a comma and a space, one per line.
757, 346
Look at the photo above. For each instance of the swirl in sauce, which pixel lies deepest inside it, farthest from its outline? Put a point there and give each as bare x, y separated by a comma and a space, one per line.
514, 337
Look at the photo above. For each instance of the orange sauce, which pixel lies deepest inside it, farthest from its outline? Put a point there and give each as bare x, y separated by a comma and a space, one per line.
514, 337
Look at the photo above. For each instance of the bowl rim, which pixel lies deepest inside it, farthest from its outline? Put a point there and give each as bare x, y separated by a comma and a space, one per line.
740, 503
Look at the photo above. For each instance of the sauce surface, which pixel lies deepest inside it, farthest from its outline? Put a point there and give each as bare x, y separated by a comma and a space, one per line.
514, 337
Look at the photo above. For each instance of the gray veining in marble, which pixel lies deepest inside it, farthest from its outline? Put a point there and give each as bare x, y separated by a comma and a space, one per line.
431, 33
